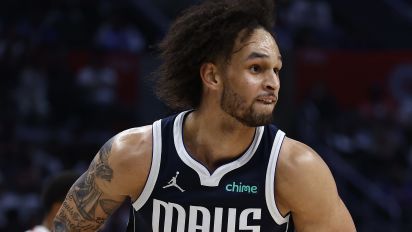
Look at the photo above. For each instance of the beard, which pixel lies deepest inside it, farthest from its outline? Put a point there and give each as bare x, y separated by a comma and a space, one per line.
234, 105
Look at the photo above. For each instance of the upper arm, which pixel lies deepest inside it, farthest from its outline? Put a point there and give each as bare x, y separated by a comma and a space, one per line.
119, 170
306, 187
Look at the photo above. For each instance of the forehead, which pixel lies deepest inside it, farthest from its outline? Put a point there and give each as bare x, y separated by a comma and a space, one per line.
259, 41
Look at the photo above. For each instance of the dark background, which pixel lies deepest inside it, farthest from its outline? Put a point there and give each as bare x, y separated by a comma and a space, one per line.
74, 73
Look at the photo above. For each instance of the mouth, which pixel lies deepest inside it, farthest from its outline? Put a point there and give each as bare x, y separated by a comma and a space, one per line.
268, 100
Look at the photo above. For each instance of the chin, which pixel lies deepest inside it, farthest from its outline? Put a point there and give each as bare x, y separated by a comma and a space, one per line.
256, 119
264, 110
263, 117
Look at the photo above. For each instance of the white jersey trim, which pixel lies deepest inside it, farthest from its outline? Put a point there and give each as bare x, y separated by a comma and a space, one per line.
270, 180
155, 166
207, 179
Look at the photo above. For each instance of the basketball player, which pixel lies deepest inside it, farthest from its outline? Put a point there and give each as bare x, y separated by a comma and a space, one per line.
54, 193
221, 165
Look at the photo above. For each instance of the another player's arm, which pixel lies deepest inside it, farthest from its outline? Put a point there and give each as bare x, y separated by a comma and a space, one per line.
306, 188
118, 171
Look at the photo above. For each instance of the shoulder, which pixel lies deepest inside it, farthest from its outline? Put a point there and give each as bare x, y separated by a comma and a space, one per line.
296, 157
301, 174
305, 187
132, 142
130, 158
130, 145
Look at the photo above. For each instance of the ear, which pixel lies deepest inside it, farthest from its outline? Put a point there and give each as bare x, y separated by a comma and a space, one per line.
210, 75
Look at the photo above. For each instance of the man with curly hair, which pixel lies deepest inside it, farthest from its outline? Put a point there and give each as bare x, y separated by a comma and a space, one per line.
219, 165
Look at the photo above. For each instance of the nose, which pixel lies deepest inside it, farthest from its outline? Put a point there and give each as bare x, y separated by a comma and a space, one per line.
272, 81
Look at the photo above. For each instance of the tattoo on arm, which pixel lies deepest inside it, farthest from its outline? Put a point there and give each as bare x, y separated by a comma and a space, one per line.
87, 197
108, 205
103, 169
59, 225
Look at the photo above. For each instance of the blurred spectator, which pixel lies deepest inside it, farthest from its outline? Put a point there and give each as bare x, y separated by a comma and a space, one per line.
98, 82
54, 193
311, 23
315, 14
31, 93
118, 35
401, 89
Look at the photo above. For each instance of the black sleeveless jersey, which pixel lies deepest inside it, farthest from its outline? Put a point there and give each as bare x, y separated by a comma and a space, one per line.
182, 195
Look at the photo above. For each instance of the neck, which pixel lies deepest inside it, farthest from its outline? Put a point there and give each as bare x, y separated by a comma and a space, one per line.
48, 219
215, 138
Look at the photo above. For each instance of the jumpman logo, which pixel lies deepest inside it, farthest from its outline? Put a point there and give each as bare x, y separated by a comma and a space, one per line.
172, 182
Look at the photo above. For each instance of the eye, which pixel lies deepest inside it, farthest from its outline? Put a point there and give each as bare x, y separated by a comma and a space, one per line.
255, 69
276, 70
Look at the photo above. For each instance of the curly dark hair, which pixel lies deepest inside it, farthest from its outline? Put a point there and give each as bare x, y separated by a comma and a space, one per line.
205, 33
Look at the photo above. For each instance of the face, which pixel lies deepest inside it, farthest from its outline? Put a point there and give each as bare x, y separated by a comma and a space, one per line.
251, 80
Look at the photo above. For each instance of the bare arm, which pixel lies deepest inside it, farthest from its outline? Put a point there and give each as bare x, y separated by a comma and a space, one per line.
118, 171
307, 189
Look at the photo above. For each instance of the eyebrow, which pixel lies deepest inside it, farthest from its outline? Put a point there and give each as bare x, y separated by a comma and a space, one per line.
255, 55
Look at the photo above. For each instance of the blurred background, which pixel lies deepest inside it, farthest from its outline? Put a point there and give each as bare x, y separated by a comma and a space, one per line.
74, 73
